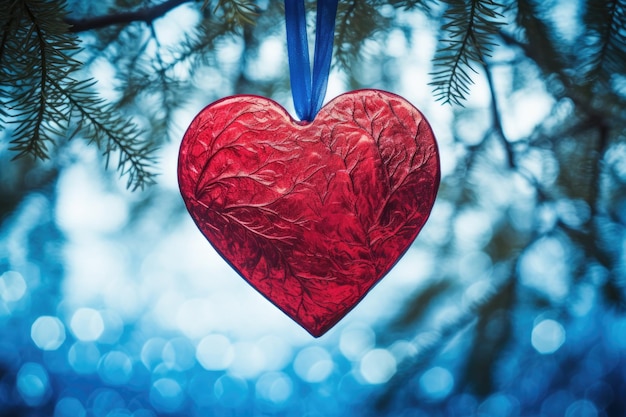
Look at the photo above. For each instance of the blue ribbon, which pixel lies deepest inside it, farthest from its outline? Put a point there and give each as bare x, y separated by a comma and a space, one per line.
309, 91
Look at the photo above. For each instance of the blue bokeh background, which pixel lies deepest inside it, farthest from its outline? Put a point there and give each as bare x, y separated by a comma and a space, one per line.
94, 360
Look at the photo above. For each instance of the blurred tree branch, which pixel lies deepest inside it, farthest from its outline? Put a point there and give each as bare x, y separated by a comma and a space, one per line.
146, 14
428, 343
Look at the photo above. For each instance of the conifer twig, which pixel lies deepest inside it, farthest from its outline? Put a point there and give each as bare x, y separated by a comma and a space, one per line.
45, 103
468, 35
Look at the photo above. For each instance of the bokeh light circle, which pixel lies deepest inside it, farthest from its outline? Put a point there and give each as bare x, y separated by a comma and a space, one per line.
166, 395
581, 408
87, 324
12, 286
47, 332
33, 383
377, 366
313, 364
436, 383
499, 404
275, 387
356, 341
115, 368
104, 402
231, 391
179, 354
152, 352
215, 352
548, 336
83, 357
69, 407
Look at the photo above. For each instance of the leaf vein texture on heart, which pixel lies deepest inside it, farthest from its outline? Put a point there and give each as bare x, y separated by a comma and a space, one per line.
312, 215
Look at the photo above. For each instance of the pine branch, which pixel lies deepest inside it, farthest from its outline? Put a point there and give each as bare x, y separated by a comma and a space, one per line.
345, 16
356, 22
469, 27
40, 96
36, 54
197, 46
111, 133
200, 43
538, 36
605, 22
171, 91
424, 5
4, 96
147, 14
237, 12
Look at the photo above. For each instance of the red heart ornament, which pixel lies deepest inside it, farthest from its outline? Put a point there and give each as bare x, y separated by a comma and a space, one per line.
312, 215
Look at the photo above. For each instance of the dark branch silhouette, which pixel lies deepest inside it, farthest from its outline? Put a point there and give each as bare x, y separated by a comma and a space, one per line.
145, 14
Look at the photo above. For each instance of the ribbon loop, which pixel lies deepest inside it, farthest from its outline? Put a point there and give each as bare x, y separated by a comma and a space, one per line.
308, 90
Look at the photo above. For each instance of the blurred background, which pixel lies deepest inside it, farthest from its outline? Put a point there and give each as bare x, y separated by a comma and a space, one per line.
510, 302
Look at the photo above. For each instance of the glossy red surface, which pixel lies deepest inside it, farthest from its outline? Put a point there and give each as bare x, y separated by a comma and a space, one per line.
311, 215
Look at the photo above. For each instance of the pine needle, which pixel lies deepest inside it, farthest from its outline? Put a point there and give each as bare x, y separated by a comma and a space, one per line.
40, 98
605, 22
468, 30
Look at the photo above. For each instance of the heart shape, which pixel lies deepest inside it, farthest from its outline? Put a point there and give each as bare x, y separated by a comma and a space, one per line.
312, 215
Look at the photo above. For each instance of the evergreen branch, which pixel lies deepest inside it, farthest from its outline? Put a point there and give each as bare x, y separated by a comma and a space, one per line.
37, 53
357, 21
341, 31
236, 12
165, 89
469, 28
198, 47
37, 145
40, 96
538, 34
605, 21
147, 14
171, 91
3, 94
111, 133
195, 47
412, 4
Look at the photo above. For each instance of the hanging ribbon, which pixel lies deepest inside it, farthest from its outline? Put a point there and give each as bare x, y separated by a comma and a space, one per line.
309, 91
